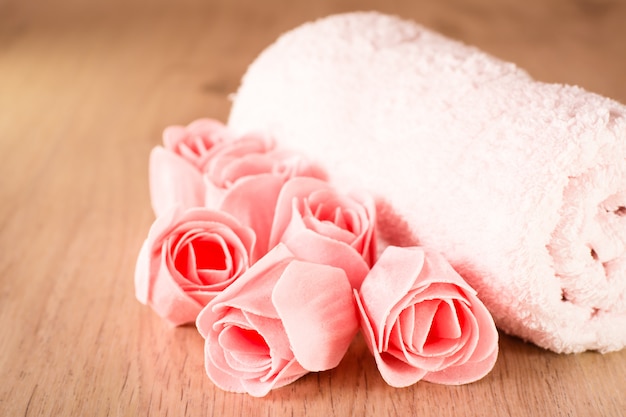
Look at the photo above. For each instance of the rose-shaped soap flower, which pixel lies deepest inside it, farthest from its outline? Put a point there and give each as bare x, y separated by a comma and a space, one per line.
248, 157
423, 321
176, 168
321, 224
245, 176
189, 257
281, 319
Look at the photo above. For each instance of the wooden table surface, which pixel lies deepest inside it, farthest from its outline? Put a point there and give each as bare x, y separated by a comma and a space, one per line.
86, 89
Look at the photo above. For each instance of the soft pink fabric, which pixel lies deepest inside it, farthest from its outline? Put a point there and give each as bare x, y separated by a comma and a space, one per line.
321, 224
520, 184
189, 257
422, 321
281, 319
176, 168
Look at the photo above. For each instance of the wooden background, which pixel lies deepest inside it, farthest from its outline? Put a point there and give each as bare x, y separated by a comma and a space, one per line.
86, 89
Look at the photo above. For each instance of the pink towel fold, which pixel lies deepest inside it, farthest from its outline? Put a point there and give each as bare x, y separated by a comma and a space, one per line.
520, 184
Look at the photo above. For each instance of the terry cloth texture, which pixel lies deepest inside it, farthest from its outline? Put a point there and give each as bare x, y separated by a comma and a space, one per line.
519, 183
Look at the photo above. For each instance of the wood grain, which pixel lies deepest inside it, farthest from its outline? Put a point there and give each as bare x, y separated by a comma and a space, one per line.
86, 89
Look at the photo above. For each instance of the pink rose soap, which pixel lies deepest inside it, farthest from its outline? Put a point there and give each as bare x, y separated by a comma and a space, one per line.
282, 319
521, 185
278, 269
423, 322
188, 258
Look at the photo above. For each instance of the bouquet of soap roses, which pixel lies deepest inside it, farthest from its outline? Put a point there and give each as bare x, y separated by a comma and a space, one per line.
279, 269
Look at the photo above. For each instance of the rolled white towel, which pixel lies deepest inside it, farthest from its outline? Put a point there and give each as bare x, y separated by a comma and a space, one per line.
520, 184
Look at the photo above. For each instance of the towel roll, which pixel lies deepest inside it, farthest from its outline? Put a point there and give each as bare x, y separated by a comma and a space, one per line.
520, 184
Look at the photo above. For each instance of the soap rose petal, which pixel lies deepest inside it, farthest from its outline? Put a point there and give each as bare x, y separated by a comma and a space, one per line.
288, 373
196, 142
421, 320
245, 165
466, 373
252, 292
483, 358
394, 371
162, 293
173, 182
273, 332
386, 285
316, 299
146, 262
256, 153
224, 380
290, 202
233, 152
252, 200
142, 274
309, 246
251, 155
169, 301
